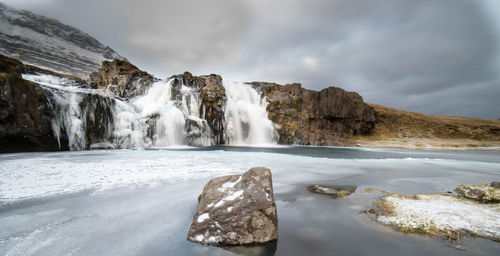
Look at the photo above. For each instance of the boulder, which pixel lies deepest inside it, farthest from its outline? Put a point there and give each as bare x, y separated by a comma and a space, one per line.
236, 210
332, 191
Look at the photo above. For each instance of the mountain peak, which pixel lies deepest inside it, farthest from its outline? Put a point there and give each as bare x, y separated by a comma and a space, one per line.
48, 43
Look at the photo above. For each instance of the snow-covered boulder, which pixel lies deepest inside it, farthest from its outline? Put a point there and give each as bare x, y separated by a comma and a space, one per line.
236, 210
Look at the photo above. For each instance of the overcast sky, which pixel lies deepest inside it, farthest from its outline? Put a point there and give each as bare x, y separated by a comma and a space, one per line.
431, 56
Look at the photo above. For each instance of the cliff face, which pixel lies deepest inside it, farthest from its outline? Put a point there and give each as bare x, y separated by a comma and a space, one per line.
328, 117
213, 100
25, 113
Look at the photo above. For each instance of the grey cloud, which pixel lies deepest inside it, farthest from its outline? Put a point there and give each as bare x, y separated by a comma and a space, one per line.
400, 53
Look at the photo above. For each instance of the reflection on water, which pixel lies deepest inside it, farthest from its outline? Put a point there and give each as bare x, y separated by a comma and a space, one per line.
141, 202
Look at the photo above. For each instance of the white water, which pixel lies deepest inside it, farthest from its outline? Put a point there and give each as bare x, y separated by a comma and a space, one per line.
247, 122
166, 115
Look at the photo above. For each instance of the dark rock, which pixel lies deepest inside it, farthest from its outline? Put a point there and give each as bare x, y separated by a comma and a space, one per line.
121, 78
25, 112
236, 210
328, 117
267, 249
213, 100
332, 190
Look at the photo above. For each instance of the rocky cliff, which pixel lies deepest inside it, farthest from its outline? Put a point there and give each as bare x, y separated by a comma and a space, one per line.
78, 118
25, 112
50, 44
305, 117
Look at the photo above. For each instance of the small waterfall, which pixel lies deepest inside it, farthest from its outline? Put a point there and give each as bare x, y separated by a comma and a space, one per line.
167, 113
247, 122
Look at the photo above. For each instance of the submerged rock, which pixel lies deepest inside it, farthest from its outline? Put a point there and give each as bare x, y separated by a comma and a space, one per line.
236, 210
332, 190
484, 193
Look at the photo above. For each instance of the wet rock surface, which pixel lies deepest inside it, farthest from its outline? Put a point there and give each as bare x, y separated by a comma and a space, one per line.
236, 210
333, 191
327, 117
213, 100
25, 112
483, 193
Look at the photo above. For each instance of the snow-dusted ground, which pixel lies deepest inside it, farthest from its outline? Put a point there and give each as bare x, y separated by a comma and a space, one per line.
443, 213
141, 202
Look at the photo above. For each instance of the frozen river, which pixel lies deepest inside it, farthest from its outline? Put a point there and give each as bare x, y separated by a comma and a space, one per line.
141, 202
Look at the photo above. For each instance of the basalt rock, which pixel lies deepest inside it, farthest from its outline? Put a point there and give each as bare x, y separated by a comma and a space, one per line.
213, 100
121, 78
328, 117
25, 123
236, 210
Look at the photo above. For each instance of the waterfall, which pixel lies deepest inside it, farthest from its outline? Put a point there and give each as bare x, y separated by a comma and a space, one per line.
166, 113
246, 117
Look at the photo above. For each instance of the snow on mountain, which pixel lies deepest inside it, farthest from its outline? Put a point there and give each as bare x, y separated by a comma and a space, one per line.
47, 43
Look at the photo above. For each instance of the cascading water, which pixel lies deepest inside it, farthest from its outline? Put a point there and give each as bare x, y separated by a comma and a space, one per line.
246, 117
167, 114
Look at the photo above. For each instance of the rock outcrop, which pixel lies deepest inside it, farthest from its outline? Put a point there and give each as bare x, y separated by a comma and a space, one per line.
483, 193
332, 191
121, 78
25, 113
328, 117
213, 100
236, 210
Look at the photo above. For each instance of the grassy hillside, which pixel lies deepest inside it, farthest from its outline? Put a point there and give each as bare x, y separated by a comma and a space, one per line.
397, 128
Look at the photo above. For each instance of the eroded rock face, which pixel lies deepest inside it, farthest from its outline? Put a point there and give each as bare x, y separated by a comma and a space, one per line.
213, 100
332, 191
236, 210
25, 113
328, 117
121, 78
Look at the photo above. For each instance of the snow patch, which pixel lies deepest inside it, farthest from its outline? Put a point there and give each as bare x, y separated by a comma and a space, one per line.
199, 238
230, 197
445, 213
203, 217
229, 184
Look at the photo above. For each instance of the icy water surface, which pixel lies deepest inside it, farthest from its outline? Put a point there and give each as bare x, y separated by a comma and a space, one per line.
141, 202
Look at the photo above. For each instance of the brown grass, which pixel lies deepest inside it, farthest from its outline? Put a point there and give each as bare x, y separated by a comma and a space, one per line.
397, 128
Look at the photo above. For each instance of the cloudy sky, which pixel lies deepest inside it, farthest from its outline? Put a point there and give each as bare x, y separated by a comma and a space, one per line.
431, 56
